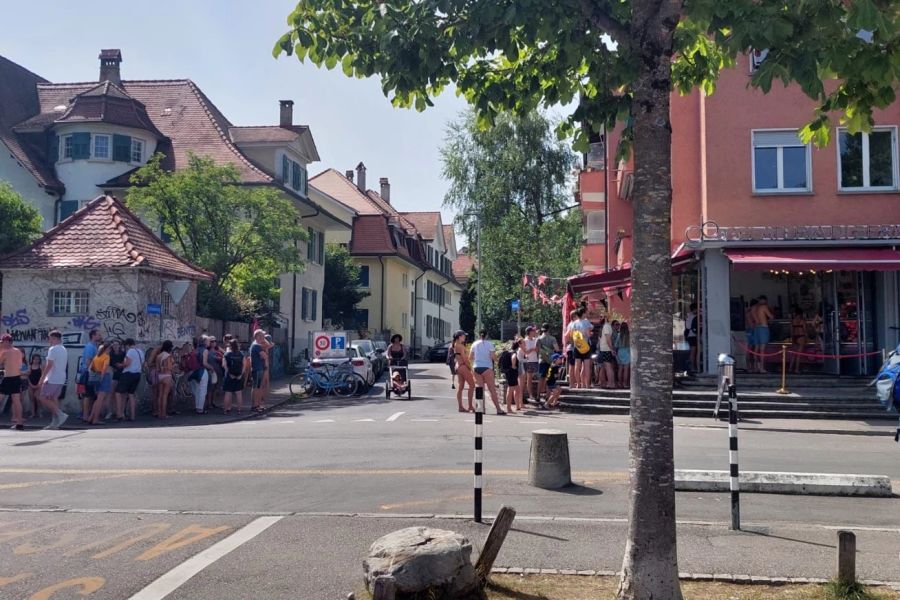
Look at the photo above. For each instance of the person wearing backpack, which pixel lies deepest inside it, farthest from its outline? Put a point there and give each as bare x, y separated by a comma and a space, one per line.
236, 366
509, 366
548, 346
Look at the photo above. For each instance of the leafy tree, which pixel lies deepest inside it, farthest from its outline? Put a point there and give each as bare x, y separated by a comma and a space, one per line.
22, 223
467, 303
617, 61
246, 236
341, 293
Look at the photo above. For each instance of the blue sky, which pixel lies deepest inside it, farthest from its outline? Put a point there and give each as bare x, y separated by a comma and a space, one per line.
225, 47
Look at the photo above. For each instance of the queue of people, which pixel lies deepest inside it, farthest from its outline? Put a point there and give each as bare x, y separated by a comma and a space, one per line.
599, 355
111, 373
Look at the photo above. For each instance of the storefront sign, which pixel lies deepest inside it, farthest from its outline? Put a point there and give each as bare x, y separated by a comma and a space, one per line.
785, 233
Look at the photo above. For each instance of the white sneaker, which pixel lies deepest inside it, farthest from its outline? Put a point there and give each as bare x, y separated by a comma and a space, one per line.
61, 419
54, 423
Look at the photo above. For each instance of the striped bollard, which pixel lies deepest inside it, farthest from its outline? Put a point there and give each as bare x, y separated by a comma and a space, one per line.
479, 419
735, 483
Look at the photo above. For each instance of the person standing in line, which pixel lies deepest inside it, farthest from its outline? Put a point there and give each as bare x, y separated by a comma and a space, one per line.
463, 371
216, 374
200, 376
548, 346
553, 391
53, 379
152, 374
750, 328
605, 354
483, 358
34, 385
509, 366
236, 366
128, 382
691, 329
117, 362
100, 376
11, 359
623, 355
87, 357
798, 337
574, 365
268, 358
762, 315
257, 368
583, 366
532, 360
164, 381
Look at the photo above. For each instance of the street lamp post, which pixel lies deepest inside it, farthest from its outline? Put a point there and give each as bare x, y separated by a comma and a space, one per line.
478, 282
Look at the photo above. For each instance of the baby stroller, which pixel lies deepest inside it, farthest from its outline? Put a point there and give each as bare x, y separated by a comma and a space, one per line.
398, 379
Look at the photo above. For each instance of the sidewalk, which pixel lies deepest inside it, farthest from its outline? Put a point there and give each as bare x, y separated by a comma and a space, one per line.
278, 395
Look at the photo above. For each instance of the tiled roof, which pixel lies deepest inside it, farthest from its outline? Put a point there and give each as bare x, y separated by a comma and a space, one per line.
19, 101
181, 112
345, 191
425, 222
266, 133
449, 233
102, 235
463, 267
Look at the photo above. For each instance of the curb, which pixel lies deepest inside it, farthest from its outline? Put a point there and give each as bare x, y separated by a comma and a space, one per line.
720, 577
773, 482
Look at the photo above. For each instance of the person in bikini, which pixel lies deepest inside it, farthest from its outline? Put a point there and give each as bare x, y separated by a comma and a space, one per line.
463, 371
483, 355
11, 360
798, 337
762, 314
163, 362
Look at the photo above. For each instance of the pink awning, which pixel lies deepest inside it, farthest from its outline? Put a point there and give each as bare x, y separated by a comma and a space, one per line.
801, 259
608, 281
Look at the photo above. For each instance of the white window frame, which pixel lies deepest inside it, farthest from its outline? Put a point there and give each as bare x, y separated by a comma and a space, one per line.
404, 320
94, 139
67, 148
405, 280
779, 164
78, 302
867, 187
594, 231
137, 144
756, 58
368, 279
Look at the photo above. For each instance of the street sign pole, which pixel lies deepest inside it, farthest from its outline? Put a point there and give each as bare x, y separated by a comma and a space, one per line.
479, 420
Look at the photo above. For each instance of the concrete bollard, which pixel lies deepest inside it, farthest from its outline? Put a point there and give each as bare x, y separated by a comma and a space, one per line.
548, 467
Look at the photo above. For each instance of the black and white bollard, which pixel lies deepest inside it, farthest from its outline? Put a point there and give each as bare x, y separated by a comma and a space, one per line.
726, 381
479, 419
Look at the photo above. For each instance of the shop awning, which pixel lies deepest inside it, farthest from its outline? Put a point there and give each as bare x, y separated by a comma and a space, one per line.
619, 278
801, 259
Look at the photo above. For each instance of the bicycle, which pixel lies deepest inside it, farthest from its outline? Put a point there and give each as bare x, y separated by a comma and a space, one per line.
338, 379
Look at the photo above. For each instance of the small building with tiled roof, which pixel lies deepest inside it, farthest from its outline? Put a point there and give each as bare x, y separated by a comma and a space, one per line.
62, 144
463, 267
102, 269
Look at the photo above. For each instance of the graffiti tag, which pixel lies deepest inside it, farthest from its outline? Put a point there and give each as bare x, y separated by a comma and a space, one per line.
35, 334
16, 319
86, 322
118, 313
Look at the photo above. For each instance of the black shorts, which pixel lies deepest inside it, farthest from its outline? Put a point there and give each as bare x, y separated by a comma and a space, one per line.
128, 383
582, 355
512, 377
11, 385
256, 379
570, 356
606, 357
543, 368
692, 342
233, 384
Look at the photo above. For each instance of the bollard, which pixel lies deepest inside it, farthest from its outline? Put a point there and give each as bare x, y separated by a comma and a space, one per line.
479, 419
783, 389
735, 482
548, 466
846, 557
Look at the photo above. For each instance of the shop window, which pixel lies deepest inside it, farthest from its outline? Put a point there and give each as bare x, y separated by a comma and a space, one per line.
867, 161
781, 162
64, 303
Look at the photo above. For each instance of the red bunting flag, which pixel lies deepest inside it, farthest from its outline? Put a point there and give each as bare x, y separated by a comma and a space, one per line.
525, 280
542, 279
534, 292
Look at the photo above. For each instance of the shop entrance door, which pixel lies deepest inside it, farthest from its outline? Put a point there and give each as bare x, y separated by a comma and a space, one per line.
830, 328
848, 322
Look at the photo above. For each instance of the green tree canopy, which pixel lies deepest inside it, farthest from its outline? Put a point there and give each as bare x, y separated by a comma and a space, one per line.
246, 236
341, 293
22, 223
617, 61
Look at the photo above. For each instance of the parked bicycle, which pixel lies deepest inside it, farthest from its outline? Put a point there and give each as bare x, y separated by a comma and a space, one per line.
339, 380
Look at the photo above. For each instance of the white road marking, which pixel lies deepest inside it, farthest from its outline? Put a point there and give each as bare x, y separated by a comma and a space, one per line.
174, 579
396, 416
364, 420
590, 424
284, 422
424, 420
324, 421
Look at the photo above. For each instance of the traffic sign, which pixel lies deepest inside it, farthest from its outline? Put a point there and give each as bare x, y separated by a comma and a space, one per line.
154, 309
514, 305
330, 344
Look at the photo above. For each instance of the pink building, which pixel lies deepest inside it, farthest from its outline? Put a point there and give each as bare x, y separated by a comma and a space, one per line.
757, 212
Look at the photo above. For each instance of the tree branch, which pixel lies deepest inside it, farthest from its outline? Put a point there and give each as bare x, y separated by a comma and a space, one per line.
617, 30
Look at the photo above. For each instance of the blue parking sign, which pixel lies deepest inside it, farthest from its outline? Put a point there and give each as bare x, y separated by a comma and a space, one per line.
514, 305
338, 342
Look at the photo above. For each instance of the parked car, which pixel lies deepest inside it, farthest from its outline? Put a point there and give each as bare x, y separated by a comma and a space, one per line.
378, 359
438, 352
362, 366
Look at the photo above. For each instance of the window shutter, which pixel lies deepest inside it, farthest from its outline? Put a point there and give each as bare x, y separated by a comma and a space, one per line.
295, 176
66, 208
310, 244
315, 307
305, 183
285, 169
767, 139
304, 303
122, 148
81, 145
53, 148
321, 260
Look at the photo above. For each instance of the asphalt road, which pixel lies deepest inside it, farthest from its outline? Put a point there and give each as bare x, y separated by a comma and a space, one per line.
127, 505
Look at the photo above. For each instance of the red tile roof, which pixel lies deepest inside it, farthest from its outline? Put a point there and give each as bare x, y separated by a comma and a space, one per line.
19, 101
266, 133
463, 267
345, 191
102, 235
373, 236
425, 222
449, 234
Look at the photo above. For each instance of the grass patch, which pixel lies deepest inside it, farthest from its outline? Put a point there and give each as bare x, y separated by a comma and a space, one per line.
559, 587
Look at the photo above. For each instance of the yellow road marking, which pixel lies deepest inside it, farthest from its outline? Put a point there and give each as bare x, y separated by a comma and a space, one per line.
426, 502
607, 476
85, 586
28, 484
10, 580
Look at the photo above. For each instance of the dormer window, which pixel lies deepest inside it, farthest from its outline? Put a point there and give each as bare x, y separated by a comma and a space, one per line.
101, 147
137, 150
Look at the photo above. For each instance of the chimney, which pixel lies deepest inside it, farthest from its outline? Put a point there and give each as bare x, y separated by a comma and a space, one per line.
349, 174
287, 113
361, 177
385, 189
109, 65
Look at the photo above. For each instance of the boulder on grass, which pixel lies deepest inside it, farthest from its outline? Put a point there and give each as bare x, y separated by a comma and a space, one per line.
422, 559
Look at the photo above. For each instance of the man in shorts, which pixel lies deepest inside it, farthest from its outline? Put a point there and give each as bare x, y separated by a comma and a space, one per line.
88, 355
53, 379
553, 390
583, 367
11, 385
128, 381
547, 346
258, 350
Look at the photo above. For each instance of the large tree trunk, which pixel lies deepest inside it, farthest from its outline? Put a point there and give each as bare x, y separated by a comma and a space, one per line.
650, 566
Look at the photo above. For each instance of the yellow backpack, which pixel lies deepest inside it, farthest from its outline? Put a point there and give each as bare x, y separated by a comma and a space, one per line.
581, 344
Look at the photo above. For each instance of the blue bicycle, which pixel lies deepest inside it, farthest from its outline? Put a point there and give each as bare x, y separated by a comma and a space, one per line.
339, 380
